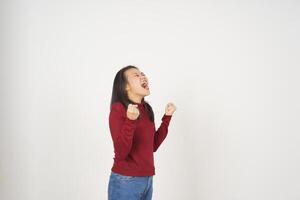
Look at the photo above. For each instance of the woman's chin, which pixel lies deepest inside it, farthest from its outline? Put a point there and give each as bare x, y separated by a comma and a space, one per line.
147, 93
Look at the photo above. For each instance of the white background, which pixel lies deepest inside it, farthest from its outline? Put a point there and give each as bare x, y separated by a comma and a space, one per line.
231, 68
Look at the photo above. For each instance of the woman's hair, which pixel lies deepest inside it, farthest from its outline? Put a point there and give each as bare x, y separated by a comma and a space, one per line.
119, 93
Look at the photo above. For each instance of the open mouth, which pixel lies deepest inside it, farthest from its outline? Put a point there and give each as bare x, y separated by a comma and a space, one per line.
145, 85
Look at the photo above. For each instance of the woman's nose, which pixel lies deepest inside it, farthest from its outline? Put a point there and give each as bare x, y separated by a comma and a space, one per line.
144, 78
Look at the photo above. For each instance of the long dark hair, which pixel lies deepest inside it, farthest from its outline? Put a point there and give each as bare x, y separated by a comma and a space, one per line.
119, 93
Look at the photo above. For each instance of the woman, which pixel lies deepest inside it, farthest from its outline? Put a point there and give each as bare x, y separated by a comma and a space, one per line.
131, 123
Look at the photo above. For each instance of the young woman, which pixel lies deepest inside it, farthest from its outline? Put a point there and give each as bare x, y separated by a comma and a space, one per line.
131, 123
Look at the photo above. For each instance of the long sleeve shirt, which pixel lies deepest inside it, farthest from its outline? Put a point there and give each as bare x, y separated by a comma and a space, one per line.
135, 141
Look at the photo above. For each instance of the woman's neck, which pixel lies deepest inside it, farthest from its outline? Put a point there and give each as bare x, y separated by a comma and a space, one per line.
135, 98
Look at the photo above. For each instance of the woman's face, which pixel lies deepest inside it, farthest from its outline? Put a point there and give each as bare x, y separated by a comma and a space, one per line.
137, 85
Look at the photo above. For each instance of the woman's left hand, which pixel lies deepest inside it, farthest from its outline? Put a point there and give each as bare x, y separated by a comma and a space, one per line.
170, 109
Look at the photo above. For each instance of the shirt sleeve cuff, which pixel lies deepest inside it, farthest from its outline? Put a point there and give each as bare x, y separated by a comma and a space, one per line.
166, 117
130, 121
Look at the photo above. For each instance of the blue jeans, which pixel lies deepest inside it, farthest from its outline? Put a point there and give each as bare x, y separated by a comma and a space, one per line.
122, 187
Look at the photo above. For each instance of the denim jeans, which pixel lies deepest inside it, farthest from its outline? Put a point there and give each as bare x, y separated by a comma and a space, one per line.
122, 187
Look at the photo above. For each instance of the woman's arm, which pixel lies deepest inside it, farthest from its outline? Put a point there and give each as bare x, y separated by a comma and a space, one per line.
122, 130
161, 132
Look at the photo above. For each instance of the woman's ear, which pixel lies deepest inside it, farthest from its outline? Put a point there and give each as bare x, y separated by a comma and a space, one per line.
127, 87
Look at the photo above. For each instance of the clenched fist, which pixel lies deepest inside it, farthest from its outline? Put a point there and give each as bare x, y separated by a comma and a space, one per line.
133, 111
170, 109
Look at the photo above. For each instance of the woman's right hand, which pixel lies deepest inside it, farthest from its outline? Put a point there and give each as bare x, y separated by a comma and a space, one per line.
133, 111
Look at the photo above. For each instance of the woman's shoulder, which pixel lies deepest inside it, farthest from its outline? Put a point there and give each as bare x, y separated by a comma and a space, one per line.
118, 106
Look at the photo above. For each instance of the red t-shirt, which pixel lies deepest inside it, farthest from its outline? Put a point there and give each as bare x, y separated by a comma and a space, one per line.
135, 141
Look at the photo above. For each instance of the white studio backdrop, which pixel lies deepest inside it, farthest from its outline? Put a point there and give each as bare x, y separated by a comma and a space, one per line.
230, 67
